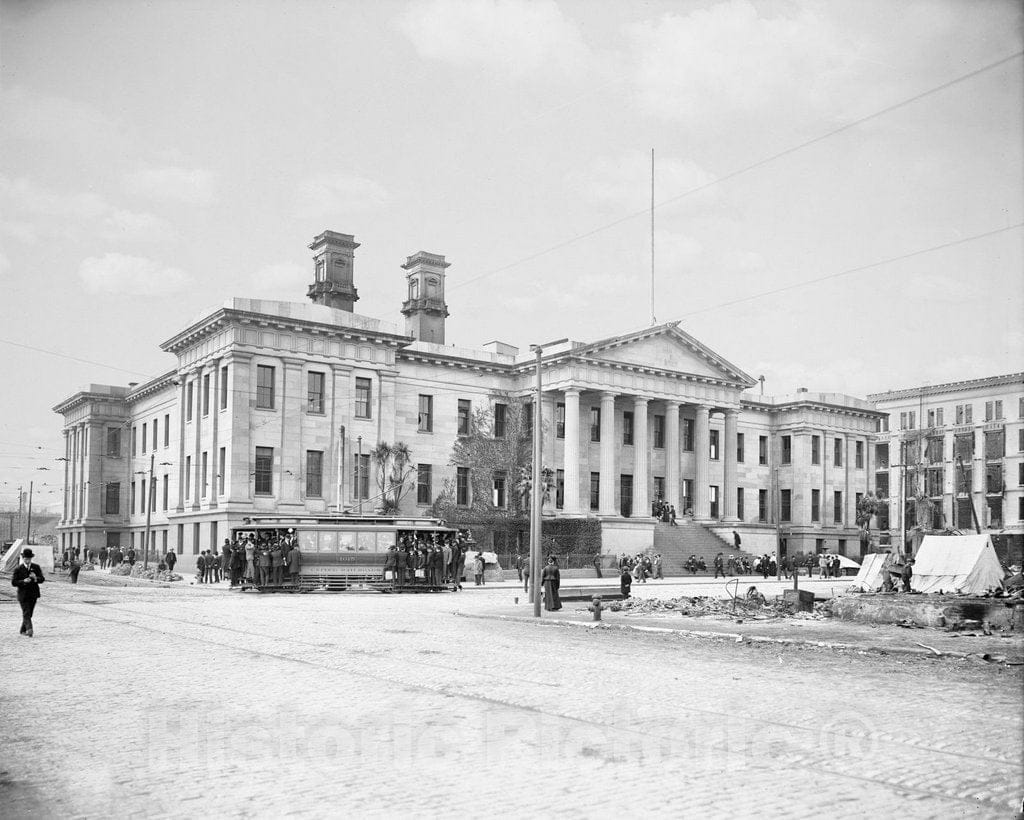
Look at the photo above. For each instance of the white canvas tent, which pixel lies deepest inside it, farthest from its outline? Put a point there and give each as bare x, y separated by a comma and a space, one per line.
869, 577
956, 563
43, 556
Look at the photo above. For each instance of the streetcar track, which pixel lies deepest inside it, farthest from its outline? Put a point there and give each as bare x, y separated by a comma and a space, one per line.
446, 690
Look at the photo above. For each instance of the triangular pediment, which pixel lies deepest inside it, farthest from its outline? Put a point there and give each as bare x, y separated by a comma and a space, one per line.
666, 347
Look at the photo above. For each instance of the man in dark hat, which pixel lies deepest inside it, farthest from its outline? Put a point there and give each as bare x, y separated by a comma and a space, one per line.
26, 578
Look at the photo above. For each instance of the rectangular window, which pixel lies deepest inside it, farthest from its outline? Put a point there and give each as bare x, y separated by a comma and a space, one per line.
131, 500
959, 414
152, 496
264, 387
315, 392
934, 450
135, 437
222, 468
688, 496
224, 388
195, 538
988, 411
464, 410
762, 506
627, 427
858, 454
156, 432
912, 419
595, 490
188, 476
881, 456
528, 418
1020, 440
500, 420
425, 419
462, 486
143, 498
903, 420
167, 431
364, 390
361, 476
713, 496
264, 471
787, 449
739, 504
995, 445
424, 480
498, 490
659, 431
1020, 407
999, 409
114, 442
167, 492
762, 449
595, 423
837, 507
206, 394
144, 437
181, 539
837, 452
203, 475
112, 503
559, 489
815, 505
659, 488
968, 414
314, 473
713, 447
740, 448
931, 418
815, 449
938, 418
688, 435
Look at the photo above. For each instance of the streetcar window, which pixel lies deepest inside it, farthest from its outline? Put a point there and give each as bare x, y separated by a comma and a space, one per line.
328, 541
346, 541
367, 542
307, 540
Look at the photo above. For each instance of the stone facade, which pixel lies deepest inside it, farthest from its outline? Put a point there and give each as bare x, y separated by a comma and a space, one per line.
271, 404
955, 443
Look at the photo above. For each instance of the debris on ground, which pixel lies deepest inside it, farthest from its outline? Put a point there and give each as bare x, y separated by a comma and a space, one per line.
751, 609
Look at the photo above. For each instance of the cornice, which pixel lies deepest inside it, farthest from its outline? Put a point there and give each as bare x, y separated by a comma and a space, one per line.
948, 387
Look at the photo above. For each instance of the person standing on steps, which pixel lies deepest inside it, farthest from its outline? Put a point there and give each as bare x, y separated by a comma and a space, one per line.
736, 540
26, 579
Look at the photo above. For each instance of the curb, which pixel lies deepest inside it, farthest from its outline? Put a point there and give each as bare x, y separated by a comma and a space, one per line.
733, 637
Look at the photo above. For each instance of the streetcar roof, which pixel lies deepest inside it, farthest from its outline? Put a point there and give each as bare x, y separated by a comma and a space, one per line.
342, 522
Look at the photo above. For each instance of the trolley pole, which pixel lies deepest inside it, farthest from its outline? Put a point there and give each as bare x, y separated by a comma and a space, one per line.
150, 498
536, 557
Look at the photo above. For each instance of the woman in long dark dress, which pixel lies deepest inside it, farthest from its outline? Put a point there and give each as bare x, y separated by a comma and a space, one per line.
551, 578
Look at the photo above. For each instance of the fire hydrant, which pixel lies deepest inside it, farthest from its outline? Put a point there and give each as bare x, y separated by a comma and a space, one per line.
596, 607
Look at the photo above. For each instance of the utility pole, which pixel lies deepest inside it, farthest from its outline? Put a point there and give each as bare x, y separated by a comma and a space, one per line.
28, 528
150, 498
21, 509
537, 501
359, 474
341, 463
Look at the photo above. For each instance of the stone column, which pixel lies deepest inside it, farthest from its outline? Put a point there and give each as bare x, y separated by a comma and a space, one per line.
730, 483
181, 442
701, 458
82, 443
67, 500
672, 487
215, 415
571, 453
641, 460
607, 488
197, 430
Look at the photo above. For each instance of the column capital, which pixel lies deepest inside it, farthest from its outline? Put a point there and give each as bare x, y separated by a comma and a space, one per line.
640, 401
608, 395
731, 412
575, 391
673, 403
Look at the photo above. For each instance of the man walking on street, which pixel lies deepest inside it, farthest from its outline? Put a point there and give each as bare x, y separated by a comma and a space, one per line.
719, 565
26, 578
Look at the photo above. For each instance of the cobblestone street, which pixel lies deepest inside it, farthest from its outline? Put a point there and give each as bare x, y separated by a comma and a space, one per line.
132, 702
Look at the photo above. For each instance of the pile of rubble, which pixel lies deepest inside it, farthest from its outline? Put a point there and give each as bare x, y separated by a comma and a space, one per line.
700, 607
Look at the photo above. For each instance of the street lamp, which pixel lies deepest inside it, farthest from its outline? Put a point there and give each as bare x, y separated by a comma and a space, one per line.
537, 500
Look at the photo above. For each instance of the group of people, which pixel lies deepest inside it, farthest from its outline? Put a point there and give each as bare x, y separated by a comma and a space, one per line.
642, 566
262, 561
664, 512
431, 560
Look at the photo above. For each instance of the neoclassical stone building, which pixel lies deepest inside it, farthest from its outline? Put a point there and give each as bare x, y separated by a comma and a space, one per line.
273, 407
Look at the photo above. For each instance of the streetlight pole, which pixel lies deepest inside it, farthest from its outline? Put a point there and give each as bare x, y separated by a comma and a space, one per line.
28, 527
536, 557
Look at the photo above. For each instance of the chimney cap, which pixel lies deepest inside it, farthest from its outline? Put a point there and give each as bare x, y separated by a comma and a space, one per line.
435, 260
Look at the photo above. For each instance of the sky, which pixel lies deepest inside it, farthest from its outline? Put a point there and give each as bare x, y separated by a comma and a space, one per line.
159, 157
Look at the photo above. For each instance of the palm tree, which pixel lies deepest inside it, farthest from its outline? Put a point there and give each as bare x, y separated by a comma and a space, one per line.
394, 468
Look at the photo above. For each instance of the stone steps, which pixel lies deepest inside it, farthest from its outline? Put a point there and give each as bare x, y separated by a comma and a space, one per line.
677, 544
